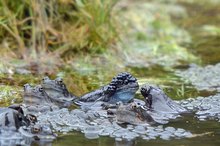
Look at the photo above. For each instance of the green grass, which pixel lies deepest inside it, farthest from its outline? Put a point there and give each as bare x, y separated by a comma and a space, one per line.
9, 95
29, 29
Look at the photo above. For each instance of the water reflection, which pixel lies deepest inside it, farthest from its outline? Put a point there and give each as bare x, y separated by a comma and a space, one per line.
124, 143
13, 138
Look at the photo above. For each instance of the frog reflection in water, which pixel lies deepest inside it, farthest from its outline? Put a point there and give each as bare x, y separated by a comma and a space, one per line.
122, 88
57, 91
38, 132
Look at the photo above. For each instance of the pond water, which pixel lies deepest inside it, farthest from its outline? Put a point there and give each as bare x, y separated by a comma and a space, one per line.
207, 47
205, 132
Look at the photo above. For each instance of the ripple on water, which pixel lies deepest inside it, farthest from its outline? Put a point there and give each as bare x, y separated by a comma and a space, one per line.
9, 137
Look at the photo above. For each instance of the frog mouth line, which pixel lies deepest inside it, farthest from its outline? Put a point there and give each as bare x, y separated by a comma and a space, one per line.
32, 95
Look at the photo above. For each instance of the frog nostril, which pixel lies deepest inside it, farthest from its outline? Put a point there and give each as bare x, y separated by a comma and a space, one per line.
134, 106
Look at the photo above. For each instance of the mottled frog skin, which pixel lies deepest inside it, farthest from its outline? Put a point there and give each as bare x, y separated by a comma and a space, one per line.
57, 91
156, 100
157, 107
13, 116
37, 100
122, 88
132, 113
12, 119
103, 107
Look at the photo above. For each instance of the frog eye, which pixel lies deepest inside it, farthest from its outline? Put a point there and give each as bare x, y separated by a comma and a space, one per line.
35, 130
143, 90
32, 118
41, 89
60, 81
25, 85
134, 106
